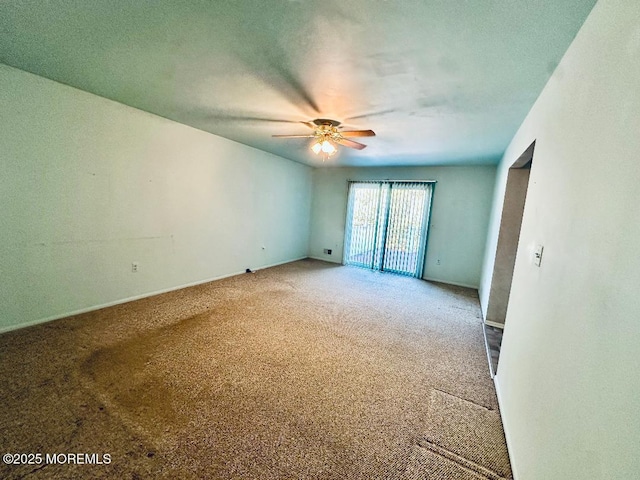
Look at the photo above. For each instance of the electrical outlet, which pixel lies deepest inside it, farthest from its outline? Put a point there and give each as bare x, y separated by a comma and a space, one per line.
327, 251
438, 262
135, 266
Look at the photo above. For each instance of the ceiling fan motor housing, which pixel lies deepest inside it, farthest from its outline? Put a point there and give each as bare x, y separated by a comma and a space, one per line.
326, 121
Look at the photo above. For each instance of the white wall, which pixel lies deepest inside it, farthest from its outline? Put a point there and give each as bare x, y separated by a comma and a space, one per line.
460, 212
569, 378
88, 185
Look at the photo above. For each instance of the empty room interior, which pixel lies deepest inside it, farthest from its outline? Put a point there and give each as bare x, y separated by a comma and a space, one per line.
320, 240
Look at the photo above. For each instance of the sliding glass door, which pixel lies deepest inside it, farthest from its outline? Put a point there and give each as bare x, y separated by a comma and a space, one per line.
387, 225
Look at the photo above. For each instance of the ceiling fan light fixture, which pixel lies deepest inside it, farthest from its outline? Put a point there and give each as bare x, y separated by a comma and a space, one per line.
324, 146
328, 147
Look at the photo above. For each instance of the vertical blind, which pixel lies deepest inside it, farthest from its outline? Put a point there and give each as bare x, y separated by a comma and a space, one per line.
387, 225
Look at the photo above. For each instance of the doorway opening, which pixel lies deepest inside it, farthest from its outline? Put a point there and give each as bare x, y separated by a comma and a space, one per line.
506, 251
387, 226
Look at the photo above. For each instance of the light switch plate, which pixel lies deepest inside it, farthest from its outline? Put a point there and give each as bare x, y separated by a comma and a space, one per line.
537, 255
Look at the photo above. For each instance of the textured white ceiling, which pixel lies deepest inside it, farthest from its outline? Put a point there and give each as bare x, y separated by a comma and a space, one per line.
441, 82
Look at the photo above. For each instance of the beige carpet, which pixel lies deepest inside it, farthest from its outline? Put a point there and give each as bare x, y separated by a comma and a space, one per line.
303, 371
466, 434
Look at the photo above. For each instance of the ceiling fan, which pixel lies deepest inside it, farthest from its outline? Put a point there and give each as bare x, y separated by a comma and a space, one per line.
327, 134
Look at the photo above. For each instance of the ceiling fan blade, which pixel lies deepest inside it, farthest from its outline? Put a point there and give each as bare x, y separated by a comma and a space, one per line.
239, 116
372, 114
293, 136
236, 118
358, 133
310, 125
351, 144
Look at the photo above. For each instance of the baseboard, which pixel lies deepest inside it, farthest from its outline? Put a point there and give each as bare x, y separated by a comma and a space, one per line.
31, 323
488, 352
267, 266
494, 324
465, 285
339, 262
505, 425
